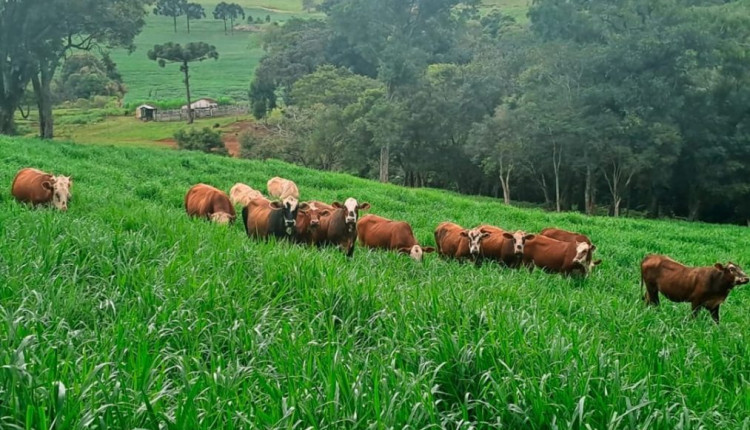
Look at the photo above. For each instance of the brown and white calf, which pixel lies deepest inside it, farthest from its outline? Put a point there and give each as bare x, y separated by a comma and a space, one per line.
503, 246
263, 218
39, 188
570, 236
703, 287
242, 194
378, 232
454, 241
206, 201
552, 255
340, 227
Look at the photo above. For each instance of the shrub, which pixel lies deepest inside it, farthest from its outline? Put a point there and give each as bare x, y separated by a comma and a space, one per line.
259, 147
205, 140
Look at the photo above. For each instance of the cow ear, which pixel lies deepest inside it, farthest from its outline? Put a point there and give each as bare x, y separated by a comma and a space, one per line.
324, 212
507, 235
47, 185
304, 207
593, 248
464, 233
597, 262
337, 205
276, 204
529, 236
404, 250
719, 266
428, 249
364, 206
484, 234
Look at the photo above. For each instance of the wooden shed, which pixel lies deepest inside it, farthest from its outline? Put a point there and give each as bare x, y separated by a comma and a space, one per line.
145, 112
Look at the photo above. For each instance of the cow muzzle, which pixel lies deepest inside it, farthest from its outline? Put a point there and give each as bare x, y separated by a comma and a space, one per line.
741, 280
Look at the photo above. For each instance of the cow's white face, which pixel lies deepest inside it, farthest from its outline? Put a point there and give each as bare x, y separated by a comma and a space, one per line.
60, 188
475, 236
582, 252
519, 239
416, 253
290, 211
351, 210
221, 217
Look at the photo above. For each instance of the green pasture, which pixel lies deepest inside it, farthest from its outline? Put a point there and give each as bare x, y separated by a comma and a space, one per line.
124, 313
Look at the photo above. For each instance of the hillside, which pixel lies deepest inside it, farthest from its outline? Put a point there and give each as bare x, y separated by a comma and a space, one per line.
147, 317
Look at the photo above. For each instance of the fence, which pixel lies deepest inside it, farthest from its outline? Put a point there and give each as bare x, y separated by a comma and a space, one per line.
182, 115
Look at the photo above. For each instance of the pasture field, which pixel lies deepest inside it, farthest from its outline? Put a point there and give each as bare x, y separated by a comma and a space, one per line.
124, 313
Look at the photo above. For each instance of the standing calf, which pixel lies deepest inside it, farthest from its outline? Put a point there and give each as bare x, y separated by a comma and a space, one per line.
703, 287
503, 246
39, 188
206, 201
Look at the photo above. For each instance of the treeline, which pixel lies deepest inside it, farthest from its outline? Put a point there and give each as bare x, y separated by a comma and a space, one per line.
599, 106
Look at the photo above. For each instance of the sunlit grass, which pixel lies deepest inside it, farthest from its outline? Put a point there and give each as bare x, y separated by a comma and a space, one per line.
152, 320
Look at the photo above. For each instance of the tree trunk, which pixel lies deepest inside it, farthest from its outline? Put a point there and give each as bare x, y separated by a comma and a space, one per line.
41, 84
225, 27
556, 159
694, 208
174, 20
505, 183
589, 198
7, 123
187, 89
188, 22
385, 155
616, 207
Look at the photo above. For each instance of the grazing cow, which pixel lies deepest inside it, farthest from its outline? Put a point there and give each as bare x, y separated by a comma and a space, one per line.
553, 255
39, 188
378, 232
703, 287
340, 227
263, 218
242, 194
282, 188
454, 241
569, 236
503, 246
206, 201
310, 222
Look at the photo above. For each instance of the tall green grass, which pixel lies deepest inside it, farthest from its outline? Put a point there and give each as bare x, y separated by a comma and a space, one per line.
124, 313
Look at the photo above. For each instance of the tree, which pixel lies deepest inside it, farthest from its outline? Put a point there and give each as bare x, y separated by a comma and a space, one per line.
268, 18
308, 5
37, 35
193, 11
231, 11
84, 75
173, 8
171, 52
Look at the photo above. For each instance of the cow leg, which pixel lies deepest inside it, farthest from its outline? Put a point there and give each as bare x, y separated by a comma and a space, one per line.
350, 252
715, 314
696, 309
652, 294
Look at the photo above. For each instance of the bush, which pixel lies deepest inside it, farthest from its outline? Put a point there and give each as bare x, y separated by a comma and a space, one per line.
205, 140
254, 146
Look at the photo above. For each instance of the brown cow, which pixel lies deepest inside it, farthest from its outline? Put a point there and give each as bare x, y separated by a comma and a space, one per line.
206, 201
569, 236
454, 241
263, 218
703, 287
553, 255
340, 227
378, 232
503, 246
242, 194
310, 222
38, 188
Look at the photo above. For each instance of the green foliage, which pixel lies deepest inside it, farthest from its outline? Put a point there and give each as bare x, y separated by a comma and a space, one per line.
170, 8
83, 76
171, 52
228, 11
149, 318
205, 140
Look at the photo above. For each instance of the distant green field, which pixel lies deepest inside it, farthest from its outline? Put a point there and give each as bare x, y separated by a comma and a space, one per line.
230, 76
124, 313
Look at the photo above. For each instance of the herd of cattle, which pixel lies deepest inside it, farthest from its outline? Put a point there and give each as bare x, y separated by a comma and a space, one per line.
318, 223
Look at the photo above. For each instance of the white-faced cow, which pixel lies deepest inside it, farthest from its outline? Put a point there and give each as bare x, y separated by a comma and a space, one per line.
503, 246
340, 227
703, 287
568, 258
264, 218
211, 203
454, 241
378, 232
39, 188
241, 194
569, 236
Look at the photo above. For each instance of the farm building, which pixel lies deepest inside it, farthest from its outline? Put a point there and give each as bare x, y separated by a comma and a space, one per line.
145, 112
204, 103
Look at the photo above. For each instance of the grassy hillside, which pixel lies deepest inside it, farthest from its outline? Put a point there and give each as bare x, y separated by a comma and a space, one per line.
149, 318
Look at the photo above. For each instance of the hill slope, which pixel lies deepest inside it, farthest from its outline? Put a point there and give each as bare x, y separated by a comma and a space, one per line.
147, 317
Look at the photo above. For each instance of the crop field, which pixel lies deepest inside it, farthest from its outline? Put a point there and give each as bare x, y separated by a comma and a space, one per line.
124, 313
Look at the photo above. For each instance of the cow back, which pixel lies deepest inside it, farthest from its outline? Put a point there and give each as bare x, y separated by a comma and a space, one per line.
565, 236
27, 186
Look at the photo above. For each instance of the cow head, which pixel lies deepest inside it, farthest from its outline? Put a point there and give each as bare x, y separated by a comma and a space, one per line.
475, 236
221, 217
351, 210
733, 273
582, 257
519, 239
593, 263
416, 252
289, 207
313, 213
60, 187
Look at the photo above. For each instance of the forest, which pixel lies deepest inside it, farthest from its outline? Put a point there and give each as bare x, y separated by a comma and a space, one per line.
637, 107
